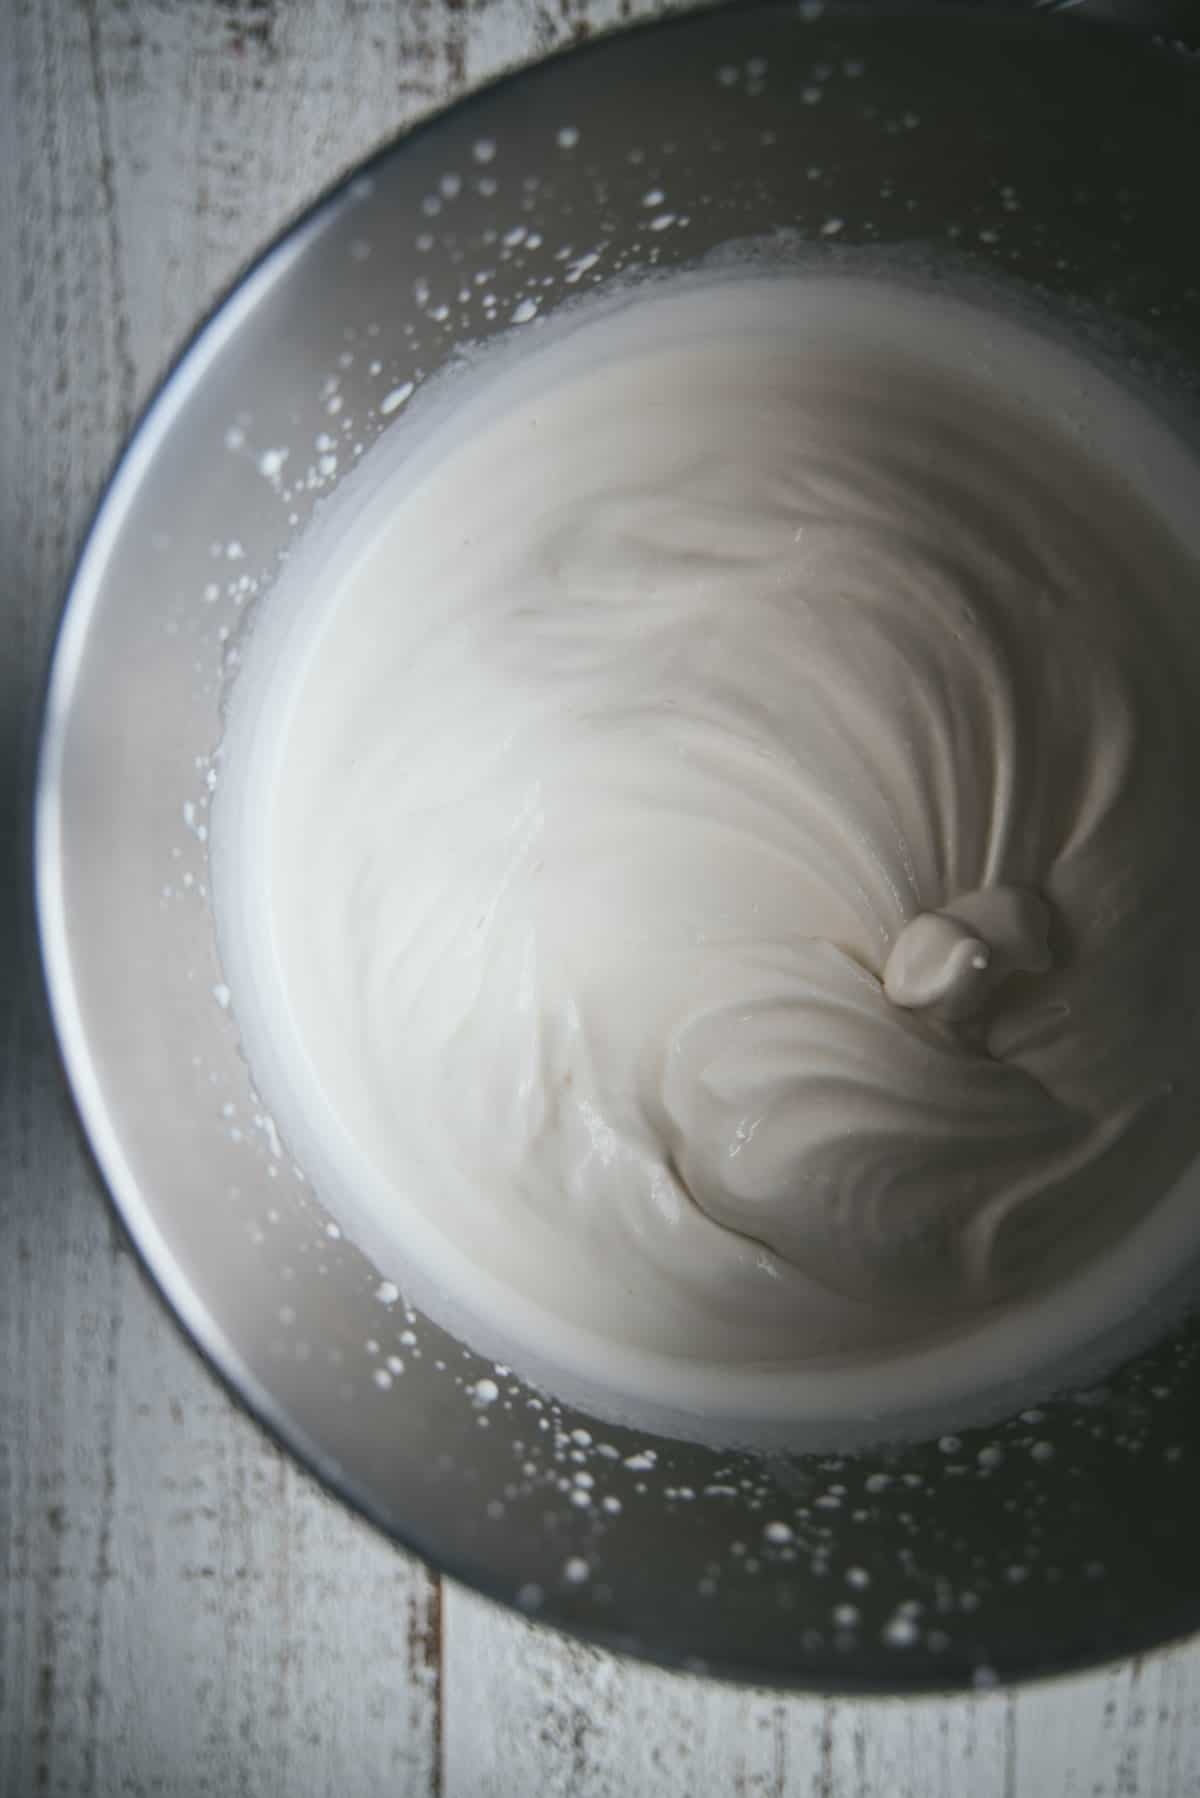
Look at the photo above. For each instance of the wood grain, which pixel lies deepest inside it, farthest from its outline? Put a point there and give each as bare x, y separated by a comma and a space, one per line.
522, 1699
184, 1611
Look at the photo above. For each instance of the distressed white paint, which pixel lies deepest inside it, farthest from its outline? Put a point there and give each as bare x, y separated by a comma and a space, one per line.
184, 1612
522, 1704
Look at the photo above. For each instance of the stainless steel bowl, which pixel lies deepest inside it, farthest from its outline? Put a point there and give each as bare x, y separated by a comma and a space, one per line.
1056, 152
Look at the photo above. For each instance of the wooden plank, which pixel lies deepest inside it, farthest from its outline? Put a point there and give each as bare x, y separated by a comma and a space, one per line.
1130, 1729
60, 416
529, 1711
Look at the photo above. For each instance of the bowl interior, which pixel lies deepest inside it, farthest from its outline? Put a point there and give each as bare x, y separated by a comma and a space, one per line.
1046, 152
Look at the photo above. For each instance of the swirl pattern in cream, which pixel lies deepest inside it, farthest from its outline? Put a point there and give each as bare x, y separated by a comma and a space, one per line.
727, 835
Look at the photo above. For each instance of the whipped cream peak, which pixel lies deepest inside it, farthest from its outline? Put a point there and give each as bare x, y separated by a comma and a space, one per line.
950, 962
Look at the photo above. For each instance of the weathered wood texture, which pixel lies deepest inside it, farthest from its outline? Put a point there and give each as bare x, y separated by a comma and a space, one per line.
183, 1612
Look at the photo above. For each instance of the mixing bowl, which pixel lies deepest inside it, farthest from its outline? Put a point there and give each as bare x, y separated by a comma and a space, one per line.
1055, 153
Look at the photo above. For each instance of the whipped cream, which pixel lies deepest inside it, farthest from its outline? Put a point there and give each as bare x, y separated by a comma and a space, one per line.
706, 858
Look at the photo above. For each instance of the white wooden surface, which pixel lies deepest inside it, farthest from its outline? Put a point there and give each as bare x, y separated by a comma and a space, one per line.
184, 1612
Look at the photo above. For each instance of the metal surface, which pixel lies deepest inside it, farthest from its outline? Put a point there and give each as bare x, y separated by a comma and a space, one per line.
1077, 1551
